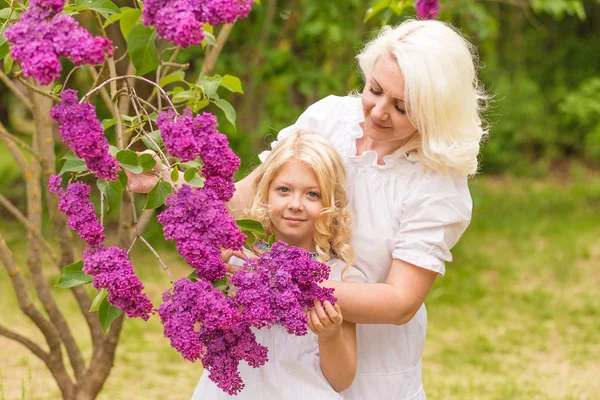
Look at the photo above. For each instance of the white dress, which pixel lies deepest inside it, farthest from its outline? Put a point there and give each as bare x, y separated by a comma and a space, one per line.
293, 371
400, 210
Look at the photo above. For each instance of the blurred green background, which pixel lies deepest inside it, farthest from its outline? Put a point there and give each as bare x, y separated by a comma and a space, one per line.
517, 314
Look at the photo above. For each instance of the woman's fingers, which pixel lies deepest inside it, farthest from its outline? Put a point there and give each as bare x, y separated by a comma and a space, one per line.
256, 250
333, 312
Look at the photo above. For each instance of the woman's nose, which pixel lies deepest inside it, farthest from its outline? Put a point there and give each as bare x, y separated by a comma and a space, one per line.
379, 110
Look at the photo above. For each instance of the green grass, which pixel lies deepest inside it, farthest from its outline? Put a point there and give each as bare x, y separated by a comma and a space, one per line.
515, 317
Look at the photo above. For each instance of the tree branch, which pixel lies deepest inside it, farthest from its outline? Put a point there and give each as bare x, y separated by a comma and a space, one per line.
33, 347
211, 57
16, 91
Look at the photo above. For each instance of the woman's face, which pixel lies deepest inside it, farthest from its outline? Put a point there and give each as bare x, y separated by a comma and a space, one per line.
386, 122
295, 203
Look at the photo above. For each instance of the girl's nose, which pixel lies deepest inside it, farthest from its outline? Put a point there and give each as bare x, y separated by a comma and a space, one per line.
295, 204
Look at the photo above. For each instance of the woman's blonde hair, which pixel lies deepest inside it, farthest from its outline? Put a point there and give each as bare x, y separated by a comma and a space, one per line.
443, 95
333, 226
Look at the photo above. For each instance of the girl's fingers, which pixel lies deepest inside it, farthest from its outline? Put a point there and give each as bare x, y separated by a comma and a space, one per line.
240, 254
316, 322
310, 325
226, 254
256, 250
322, 314
231, 269
334, 313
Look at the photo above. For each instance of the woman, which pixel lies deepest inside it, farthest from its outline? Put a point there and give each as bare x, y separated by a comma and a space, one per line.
409, 142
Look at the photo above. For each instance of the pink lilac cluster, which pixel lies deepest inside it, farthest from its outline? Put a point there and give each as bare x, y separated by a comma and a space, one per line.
202, 324
74, 203
199, 224
277, 287
81, 130
112, 270
181, 21
188, 137
43, 34
427, 9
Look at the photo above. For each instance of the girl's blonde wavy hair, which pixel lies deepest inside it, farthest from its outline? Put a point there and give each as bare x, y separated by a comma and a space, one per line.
443, 95
333, 226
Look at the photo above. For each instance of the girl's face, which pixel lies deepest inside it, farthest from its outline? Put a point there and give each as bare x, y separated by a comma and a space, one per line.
386, 121
295, 204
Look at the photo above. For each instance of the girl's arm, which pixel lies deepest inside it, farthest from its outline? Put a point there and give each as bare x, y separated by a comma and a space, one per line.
394, 302
337, 344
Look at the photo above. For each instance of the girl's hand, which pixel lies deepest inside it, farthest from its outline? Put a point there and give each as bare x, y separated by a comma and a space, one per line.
325, 320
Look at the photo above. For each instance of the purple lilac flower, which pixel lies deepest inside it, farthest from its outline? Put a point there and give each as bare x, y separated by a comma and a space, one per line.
42, 35
427, 9
199, 224
74, 203
82, 131
278, 286
181, 21
187, 137
223, 339
112, 270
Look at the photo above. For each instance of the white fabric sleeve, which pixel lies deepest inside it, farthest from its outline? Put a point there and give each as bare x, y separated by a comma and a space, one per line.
320, 118
352, 274
436, 213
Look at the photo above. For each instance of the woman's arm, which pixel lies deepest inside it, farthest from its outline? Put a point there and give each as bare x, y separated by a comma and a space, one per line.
394, 302
337, 345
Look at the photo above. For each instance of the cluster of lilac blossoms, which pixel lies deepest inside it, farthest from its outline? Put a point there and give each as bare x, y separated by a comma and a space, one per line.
181, 21
109, 266
199, 224
113, 271
277, 287
43, 34
81, 130
188, 137
427, 9
222, 339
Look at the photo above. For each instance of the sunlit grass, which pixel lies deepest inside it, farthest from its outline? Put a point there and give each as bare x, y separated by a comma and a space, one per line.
515, 317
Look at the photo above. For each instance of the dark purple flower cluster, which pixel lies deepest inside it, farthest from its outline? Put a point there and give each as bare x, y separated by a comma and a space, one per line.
82, 131
221, 339
181, 21
42, 35
427, 9
74, 203
188, 137
199, 224
112, 270
277, 287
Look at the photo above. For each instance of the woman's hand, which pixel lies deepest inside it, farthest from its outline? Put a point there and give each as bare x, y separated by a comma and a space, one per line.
145, 181
325, 320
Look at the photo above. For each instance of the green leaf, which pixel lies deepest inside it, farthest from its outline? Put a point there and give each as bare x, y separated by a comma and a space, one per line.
123, 178
56, 89
192, 177
73, 165
129, 17
210, 85
98, 300
184, 95
129, 160
199, 105
147, 162
250, 225
175, 174
107, 313
232, 83
192, 164
220, 284
271, 240
250, 238
141, 48
193, 276
113, 191
155, 136
376, 9
174, 77
8, 63
113, 150
227, 109
5, 12
4, 49
103, 7
73, 275
108, 123
158, 195
209, 39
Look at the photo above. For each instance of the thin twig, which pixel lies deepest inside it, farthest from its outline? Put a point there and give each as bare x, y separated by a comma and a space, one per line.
175, 65
68, 76
13, 88
159, 259
38, 90
101, 209
18, 141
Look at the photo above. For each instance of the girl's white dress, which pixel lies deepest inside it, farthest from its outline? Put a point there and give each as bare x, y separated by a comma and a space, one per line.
293, 370
400, 210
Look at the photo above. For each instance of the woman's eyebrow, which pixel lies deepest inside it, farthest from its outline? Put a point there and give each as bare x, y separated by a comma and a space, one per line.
399, 100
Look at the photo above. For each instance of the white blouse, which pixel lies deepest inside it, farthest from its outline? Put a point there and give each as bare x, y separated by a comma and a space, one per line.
401, 210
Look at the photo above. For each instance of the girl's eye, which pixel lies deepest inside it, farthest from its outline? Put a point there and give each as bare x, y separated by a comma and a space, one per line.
314, 195
375, 92
283, 189
400, 109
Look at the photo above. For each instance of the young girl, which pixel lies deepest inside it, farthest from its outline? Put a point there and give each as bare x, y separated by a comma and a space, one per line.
300, 197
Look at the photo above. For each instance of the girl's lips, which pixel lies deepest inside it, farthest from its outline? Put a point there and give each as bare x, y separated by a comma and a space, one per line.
294, 220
